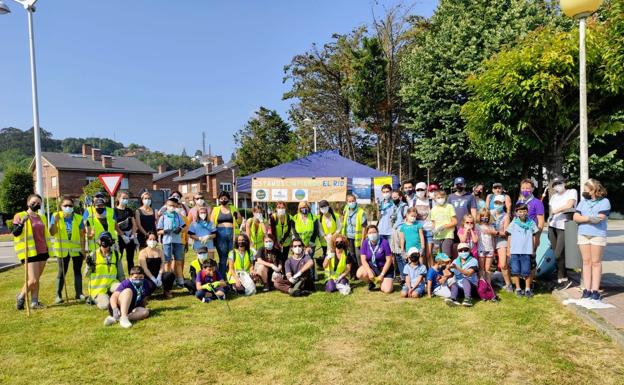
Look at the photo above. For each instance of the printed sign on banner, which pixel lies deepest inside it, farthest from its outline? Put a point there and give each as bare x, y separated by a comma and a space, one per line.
379, 182
260, 195
332, 189
299, 195
362, 190
279, 194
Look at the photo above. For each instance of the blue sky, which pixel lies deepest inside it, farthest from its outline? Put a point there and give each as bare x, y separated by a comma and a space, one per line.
158, 72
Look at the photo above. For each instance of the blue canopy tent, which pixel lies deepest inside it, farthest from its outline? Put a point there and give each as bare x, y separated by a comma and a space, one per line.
318, 164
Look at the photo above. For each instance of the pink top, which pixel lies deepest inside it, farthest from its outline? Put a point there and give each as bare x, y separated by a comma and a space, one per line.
473, 245
38, 229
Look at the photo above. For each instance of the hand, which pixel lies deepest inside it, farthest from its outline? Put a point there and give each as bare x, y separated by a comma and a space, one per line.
594, 220
158, 282
125, 239
297, 275
116, 313
308, 250
380, 278
155, 280
167, 231
291, 280
275, 268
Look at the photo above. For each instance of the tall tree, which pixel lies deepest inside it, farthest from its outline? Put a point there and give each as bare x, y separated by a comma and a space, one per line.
14, 190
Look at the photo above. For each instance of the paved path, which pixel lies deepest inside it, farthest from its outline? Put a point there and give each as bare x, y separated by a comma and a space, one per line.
613, 260
7, 254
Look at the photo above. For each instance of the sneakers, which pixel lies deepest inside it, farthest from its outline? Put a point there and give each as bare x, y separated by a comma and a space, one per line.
125, 323
519, 293
595, 295
371, 286
586, 294
509, 289
206, 300
80, 297
563, 285
20, 301
110, 320
90, 301
528, 293
467, 302
58, 300
37, 305
451, 302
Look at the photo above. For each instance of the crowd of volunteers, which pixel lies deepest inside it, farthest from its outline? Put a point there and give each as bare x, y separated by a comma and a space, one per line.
423, 240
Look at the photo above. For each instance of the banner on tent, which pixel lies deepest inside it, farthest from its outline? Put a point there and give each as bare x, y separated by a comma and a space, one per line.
362, 190
332, 189
379, 181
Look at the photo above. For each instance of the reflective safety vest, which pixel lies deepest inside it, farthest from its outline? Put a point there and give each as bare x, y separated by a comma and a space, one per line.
305, 230
215, 216
331, 229
281, 228
63, 245
241, 263
104, 274
20, 242
194, 268
256, 236
334, 271
358, 216
97, 225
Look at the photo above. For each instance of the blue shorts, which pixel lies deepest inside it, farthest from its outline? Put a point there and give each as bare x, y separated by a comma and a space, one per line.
420, 289
377, 271
428, 236
521, 265
175, 250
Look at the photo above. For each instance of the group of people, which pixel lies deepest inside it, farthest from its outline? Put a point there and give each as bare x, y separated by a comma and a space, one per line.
431, 243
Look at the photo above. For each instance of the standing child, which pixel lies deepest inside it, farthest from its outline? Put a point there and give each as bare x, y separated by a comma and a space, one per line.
415, 273
203, 232
467, 233
437, 277
411, 236
465, 268
486, 244
208, 283
522, 240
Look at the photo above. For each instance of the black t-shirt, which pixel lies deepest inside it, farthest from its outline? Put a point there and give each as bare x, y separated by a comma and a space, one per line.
123, 218
270, 256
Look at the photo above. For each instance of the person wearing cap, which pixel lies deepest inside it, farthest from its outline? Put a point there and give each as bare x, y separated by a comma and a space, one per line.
423, 207
560, 200
463, 201
106, 271
443, 222
499, 222
184, 210
354, 227
523, 235
98, 218
170, 226
497, 190
329, 225
465, 268
415, 273
437, 277
152, 261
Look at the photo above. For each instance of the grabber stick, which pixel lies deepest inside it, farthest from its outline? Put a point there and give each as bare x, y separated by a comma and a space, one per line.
25, 222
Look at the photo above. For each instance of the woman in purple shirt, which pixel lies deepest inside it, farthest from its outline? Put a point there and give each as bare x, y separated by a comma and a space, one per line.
377, 261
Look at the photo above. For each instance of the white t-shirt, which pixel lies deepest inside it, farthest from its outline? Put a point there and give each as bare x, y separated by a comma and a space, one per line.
557, 201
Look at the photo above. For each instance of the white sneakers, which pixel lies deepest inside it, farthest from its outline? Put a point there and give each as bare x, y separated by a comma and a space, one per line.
108, 321
124, 322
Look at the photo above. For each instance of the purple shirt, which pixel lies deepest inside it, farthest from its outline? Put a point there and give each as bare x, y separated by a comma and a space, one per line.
462, 204
204, 278
535, 206
380, 251
293, 266
146, 290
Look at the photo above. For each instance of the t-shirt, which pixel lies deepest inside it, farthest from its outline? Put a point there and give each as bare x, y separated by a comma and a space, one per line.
166, 222
414, 272
412, 235
486, 243
201, 229
423, 208
203, 278
376, 254
470, 263
535, 206
462, 204
442, 215
293, 266
69, 224
556, 202
386, 211
522, 238
591, 208
433, 275
270, 256
147, 289
38, 230
473, 246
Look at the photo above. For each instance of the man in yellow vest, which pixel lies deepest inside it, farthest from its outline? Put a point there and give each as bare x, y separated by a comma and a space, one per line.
67, 228
106, 271
98, 219
354, 227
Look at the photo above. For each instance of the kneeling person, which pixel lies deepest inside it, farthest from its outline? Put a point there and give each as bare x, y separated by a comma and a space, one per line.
128, 302
208, 283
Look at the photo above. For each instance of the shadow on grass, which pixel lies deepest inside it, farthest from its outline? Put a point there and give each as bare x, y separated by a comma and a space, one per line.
158, 311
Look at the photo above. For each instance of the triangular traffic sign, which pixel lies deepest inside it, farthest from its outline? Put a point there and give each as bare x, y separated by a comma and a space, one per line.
111, 182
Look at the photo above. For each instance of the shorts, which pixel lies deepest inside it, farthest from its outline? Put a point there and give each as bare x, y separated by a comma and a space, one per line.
389, 273
175, 250
591, 240
521, 265
43, 257
428, 236
420, 289
500, 242
486, 254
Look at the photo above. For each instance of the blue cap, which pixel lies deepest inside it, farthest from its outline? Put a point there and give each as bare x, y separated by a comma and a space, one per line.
459, 180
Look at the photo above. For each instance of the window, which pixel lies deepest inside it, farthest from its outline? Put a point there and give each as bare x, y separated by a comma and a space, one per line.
53, 181
225, 187
184, 188
194, 188
124, 184
90, 179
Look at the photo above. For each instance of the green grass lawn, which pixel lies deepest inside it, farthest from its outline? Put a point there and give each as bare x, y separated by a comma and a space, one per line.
365, 338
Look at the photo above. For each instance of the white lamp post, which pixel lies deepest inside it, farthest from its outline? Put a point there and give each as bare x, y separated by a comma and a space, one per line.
29, 6
581, 9
308, 122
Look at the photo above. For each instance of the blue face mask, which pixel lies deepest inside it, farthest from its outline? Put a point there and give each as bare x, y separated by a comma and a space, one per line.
498, 208
352, 205
464, 254
373, 237
137, 282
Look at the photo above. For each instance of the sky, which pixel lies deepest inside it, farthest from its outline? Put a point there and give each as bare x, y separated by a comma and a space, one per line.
157, 72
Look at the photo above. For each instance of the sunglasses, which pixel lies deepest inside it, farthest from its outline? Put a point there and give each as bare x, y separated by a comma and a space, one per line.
68, 205
470, 223
462, 250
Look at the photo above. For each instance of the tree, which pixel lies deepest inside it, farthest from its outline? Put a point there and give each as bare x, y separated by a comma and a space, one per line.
16, 186
199, 153
95, 186
264, 142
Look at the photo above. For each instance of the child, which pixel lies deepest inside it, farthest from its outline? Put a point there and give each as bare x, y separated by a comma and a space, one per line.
443, 220
522, 241
465, 268
127, 303
411, 236
486, 244
202, 231
194, 268
208, 283
414, 276
437, 277
468, 234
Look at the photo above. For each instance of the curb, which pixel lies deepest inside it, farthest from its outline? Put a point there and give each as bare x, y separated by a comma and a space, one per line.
9, 267
593, 319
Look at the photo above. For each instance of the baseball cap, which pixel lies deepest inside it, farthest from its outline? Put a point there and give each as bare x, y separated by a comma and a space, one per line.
433, 187
442, 257
499, 198
99, 194
497, 184
412, 250
459, 180
421, 185
202, 250
463, 245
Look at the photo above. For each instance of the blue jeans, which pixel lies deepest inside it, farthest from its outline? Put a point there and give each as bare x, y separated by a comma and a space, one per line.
521, 265
224, 242
173, 250
400, 264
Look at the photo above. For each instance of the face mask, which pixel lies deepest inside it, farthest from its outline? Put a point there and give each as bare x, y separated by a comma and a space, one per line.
137, 281
268, 245
258, 216
386, 196
441, 267
170, 209
297, 250
420, 194
526, 194
409, 192
521, 215
586, 196
352, 205
411, 219
468, 225
324, 210
484, 219
341, 245
202, 257
35, 206
100, 210
106, 243
373, 237
464, 254
281, 212
304, 211
396, 201
498, 207
200, 202
202, 216
559, 188
459, 188
152, 244
441, 201
147, 202
414, 258
68, 210
124, 202
224, 202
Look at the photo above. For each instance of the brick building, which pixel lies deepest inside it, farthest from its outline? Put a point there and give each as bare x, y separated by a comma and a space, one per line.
164, 180
210, 179
66, 174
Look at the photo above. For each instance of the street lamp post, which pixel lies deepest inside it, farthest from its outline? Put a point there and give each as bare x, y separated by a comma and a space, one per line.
308, 121
29, 6
581, 9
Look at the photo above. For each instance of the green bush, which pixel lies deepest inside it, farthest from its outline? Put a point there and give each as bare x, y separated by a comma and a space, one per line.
16, 186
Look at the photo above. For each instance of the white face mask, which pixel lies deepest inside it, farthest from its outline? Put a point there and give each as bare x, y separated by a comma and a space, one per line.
297, 250
559, 188
386, 196
441, 201
281, 212
258, 216
200, 202
147, 202
202, 216
202, 257
324, 210
420, 194
68, 210
152, 243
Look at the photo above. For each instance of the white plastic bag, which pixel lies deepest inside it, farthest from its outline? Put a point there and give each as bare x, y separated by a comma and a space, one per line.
247, 282
343, 289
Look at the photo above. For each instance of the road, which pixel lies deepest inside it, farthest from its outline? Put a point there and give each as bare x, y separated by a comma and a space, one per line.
7, 254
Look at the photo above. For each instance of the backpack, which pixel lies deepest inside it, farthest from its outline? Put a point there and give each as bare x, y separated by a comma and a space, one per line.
485, 290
